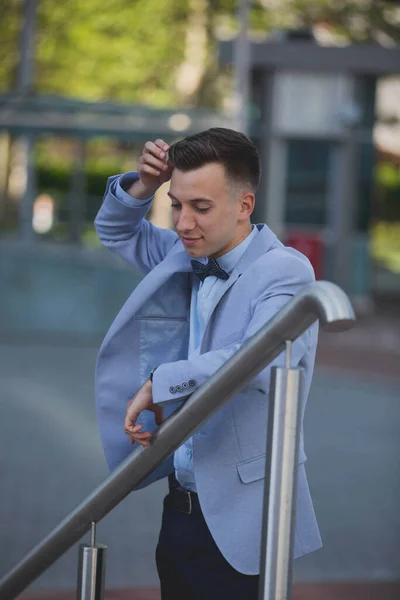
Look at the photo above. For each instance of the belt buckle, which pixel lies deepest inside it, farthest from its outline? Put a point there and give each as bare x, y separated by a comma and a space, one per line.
189, 499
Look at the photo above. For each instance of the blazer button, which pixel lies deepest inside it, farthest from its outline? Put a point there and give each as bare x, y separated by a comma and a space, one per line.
172, 390
185, 385
192, 383
178, 388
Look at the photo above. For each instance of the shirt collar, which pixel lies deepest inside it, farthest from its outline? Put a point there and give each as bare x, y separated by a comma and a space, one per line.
229, 260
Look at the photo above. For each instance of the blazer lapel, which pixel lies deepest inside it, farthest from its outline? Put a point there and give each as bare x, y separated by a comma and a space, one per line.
260, 244
223, 288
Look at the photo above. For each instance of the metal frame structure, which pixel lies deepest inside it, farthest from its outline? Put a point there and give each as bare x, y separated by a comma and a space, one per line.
368, 59
41, 114
32, 116
321, 301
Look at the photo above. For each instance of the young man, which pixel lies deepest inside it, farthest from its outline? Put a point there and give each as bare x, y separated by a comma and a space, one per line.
209, 287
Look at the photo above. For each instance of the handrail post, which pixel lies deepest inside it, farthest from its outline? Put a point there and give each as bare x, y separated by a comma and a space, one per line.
280, 482
91, 569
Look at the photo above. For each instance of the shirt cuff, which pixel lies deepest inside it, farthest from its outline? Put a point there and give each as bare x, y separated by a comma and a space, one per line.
124, 183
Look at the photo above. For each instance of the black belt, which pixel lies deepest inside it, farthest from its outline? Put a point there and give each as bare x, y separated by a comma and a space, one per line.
181, 499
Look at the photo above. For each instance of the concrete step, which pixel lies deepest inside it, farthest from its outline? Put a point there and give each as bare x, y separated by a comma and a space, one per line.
329, 591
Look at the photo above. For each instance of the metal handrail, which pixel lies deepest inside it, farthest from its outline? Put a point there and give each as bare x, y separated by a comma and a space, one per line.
323, 301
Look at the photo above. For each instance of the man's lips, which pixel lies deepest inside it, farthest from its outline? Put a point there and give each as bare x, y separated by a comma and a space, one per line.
186, 240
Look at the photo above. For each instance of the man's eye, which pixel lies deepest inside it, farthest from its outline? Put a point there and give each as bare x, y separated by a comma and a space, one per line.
175, 205
202, 210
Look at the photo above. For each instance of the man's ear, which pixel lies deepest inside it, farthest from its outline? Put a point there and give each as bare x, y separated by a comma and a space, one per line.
247, 202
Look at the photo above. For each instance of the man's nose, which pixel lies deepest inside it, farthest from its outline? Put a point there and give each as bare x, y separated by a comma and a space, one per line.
186, 221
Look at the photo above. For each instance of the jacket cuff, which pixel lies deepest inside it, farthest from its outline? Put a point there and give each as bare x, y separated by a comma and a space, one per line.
123, 184
171, 389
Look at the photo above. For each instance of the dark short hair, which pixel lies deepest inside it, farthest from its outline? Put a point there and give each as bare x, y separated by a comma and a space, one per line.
232, 149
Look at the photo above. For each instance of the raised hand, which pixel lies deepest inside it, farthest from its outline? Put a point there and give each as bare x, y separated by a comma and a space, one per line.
154, 169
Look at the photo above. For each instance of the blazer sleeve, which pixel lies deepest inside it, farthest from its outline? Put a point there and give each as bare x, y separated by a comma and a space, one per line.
122, 227
178, 380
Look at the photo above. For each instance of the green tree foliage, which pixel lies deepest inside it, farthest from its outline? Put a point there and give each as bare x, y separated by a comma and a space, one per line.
132, 50
9, 40
118, 50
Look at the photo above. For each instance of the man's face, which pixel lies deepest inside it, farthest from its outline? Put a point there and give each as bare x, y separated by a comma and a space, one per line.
209, 216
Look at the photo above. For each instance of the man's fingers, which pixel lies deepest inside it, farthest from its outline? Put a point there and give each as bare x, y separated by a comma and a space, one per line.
161, 144
152, 161
156, 151
130, 420
144, 443
150, 170
134, 432
142, 438
140, 442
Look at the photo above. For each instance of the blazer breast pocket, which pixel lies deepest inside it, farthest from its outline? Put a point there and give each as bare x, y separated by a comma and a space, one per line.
251, 469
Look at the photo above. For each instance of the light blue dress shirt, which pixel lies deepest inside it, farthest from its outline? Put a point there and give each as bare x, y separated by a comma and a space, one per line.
203, 294
202, 300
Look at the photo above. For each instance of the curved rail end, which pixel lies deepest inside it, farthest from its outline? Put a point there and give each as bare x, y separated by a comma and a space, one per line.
331, 304
339, 325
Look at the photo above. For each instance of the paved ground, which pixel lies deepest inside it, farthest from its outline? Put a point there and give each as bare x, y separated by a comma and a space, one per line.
371, 346
50, 459
335, 591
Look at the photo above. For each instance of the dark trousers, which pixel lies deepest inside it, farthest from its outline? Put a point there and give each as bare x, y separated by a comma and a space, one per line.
189, 563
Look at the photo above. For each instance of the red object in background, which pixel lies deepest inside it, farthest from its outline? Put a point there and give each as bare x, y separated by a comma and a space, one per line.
311, 245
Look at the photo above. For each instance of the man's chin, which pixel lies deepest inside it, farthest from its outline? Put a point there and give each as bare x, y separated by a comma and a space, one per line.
196, 250
195, 253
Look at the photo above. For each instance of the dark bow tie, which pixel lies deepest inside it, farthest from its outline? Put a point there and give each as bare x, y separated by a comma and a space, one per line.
211, 269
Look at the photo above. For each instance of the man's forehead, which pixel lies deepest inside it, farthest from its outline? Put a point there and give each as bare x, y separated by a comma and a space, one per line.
210, 178
203, 172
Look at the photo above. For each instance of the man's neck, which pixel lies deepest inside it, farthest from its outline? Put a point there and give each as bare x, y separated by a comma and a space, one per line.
241, 237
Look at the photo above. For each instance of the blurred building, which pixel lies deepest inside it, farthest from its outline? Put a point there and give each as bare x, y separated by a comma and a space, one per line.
313, 111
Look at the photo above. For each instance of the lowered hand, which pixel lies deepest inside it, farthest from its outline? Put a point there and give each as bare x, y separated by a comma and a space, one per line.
142, 400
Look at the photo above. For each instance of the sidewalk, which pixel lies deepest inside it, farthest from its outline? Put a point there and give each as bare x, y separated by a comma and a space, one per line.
334, 591
371, 346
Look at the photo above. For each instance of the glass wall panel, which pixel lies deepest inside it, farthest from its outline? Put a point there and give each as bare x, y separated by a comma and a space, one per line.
307, 181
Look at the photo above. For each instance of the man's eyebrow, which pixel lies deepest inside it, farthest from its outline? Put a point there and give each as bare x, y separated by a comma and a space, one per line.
192, 200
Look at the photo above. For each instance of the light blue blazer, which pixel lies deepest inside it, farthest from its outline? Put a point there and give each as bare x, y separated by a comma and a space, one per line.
152, 330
